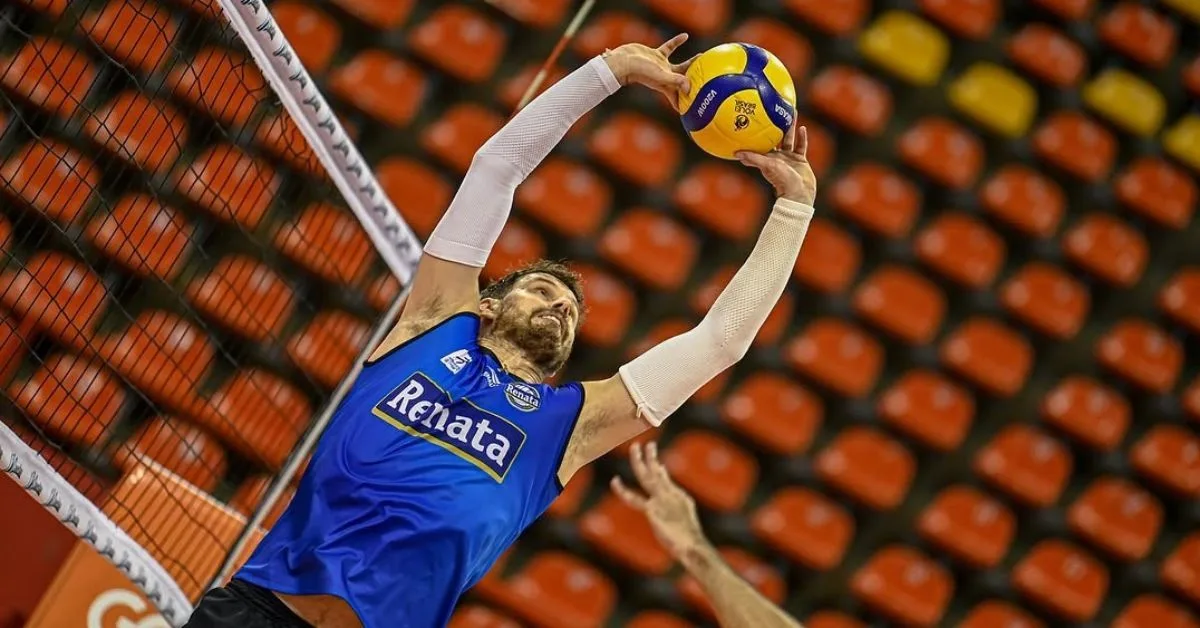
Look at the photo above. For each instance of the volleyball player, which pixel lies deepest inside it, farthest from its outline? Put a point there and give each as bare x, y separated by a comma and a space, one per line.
449, 444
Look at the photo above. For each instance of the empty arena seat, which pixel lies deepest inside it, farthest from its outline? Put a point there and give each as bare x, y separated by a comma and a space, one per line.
326, 348
258, 414
137, 33
838, 355
1117, 516
1067, 9
280, 136
1087, 411
328, 241
869, 466
419, 192
386, 87
1154, 611
16, 339
1138, 32
1108, 248
1026, 463
906, 46
1076, 144
476, 616
970, 525
568, 502
774, 412
651, 247
995, 98
1180, 570
52, 178
1025, 199
1182, 141
852, 99
165, 356
753, 570
904, 585
230, 184
183, 448
566, 196
829, 259
901, 302
928, 407
558, 589
382, 291
460, 41
636, 148
943, 151
656, 619
612, 29
989, 354
771, 331
383, 15
833, 619
1047, 54
716, 471
518, 245
244, 295
1127, 101
61, 295
1142, 353
962, 248
1063, 579
52, 8
1047, 298
785, 42
72, 399
512, 89
314, 35
148, 238
971, 19
147, 133
220, 83
722, 198
455, 137
624, 535
701, 18
1157, 189
49, 74
1169, 455
836, 18
611, 306
804, 526
878, 198
1180, 297
997, 614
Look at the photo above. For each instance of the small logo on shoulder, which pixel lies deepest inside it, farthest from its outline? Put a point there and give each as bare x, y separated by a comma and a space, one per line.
493, 380
523, 396
455, 361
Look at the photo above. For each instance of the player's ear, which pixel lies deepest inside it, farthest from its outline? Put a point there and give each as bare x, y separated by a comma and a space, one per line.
489, 308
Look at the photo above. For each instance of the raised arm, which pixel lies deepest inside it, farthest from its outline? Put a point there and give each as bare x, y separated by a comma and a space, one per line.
672, 515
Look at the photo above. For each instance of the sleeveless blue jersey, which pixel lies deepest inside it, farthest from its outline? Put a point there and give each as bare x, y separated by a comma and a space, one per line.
434, 463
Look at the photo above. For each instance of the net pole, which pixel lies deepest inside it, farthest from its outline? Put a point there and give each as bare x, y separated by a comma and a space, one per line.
568, 34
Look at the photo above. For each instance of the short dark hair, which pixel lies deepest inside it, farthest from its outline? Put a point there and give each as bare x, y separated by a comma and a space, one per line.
560, 271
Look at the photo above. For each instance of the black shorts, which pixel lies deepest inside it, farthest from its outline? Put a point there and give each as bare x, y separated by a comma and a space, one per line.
243, 605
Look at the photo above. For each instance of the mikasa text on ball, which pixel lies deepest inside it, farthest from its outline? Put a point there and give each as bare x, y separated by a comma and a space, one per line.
741, 98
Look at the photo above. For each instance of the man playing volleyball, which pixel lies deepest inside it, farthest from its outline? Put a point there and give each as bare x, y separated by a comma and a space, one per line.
449, 444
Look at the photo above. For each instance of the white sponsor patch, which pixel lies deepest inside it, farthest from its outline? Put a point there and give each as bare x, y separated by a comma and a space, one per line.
457, 360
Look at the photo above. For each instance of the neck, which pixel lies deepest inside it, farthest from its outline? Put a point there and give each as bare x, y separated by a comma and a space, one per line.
512, 359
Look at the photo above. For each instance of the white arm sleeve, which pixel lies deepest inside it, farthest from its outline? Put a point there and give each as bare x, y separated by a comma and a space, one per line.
661, 379
471, 225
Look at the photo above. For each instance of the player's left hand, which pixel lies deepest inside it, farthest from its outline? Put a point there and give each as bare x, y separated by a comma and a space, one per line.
671, 511
652, 67
786, 168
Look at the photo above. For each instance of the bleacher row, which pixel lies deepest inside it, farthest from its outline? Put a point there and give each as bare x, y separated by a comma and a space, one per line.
973, 407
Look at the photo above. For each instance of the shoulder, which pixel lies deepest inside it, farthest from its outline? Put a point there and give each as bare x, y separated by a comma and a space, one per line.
459, 330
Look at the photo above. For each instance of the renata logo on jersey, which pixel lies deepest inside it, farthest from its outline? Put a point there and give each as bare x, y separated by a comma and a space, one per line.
523, 396
421, 408
457, 360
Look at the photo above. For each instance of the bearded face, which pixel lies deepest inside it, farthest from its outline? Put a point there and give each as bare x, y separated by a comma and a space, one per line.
538, 316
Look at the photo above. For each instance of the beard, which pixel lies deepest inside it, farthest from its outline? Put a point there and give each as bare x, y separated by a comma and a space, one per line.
542, 338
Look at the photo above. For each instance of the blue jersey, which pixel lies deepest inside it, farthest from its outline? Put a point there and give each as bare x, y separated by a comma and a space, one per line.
434, 463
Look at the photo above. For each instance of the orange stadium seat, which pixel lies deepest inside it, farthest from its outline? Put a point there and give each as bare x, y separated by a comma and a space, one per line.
1026, 463
147, 133
1158, 190
970, 525
962, 248
244, 295
753, 570
1088, 411
148, 238
52, 8
722, 198
512, 89
838, 355
460, 41
419, 192
382, 291
716, 471
772, 329
774, 412
972, 19
1047, 299
1062, 579
637, 149
928, 407
559, 185
1071, 10
61, 295
558, 589
904, 585
230, 184
997, 614
829, 259
568, 502
869, 466
137, 33
1142, 353
805, 526
386, 87
1047, 54
220, 83
1117, 516
52, 178
17, 336
1075, 143
210, 9
184, 449
612, 29
656, 619
624, 535
700, 18
475, 616
1170, 456
785, 42
328, 241
49, 74
1138, 32
878, 198
258, 414
651, 247
164, 355
539, 14
1191, 399
1154, 611
71, 398
1180, 570
251, 492
989, 354
518, 245
838, 18
852, 99
383, 15
280, 136
1180, 297
610, 305
943, 151
833, 619
315, 36
326, 348
902, 303
1108, 248
1025, 199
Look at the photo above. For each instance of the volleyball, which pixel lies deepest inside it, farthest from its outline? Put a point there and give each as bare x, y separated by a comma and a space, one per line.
741, 98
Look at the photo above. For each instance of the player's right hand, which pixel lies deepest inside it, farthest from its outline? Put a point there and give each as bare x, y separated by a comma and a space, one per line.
652, 67
671, 511
786, 168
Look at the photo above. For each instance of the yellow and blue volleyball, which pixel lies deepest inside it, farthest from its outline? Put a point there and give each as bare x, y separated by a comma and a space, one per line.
741, 99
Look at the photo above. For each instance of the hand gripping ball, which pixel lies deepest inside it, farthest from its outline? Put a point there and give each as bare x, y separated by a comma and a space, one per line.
741, 98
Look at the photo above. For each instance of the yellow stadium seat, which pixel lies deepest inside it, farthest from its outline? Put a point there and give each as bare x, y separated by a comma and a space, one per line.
1190, 8
1182, 141
907, 46
1126, 100
995, 98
